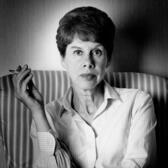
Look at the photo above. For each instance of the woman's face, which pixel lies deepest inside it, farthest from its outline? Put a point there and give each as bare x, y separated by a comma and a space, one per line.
85, 62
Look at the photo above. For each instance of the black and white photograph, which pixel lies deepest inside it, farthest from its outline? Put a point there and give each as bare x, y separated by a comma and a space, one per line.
83, 83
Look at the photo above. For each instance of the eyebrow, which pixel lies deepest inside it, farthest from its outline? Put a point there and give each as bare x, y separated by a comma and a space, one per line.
77, 47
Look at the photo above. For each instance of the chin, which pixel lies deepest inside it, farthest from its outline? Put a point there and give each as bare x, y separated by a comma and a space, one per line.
87, 85
84, 84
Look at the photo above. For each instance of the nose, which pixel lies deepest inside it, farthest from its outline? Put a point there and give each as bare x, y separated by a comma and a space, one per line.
89, 63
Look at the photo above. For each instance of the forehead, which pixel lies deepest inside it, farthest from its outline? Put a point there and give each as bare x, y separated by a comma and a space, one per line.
77, 42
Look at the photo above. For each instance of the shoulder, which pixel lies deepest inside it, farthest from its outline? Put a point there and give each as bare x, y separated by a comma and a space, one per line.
136, 94
137, 99
141, 102
128, 94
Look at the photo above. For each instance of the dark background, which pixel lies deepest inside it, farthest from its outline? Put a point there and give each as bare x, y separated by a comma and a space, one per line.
28, 28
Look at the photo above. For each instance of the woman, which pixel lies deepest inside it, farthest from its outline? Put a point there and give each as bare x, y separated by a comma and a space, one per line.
95, 124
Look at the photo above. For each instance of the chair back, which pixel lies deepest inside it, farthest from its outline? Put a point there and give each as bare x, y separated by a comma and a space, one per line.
15, 118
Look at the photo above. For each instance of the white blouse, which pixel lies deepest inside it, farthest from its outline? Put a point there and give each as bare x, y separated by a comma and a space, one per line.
121, 134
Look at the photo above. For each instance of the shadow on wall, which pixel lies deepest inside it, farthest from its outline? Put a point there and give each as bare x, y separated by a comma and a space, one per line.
141, 43
129, 45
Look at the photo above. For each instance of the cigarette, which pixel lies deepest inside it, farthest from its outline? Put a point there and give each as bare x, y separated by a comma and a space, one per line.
19, 68
13, 71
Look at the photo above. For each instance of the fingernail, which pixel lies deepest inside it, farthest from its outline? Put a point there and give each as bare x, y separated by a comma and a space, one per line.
29, 70
18, 68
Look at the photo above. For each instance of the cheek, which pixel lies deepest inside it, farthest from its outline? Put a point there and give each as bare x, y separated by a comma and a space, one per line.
72, 68
68, 63
73, 65
102, 65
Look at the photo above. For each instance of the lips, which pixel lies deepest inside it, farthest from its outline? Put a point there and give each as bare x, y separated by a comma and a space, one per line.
88, 76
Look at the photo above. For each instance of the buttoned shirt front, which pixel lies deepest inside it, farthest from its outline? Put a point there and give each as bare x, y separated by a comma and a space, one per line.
120, 134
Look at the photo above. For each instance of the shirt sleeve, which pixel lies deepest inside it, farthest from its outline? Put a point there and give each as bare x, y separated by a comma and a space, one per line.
47, 151
141, 148
54, 155
46, 142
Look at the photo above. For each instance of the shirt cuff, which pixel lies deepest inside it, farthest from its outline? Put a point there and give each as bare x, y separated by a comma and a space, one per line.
132, 164
46, 142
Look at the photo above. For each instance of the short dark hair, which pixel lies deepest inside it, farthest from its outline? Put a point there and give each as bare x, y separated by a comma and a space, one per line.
90, 24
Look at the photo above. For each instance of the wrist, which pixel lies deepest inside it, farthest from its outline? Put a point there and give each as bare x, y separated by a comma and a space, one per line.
41, 122
37, 111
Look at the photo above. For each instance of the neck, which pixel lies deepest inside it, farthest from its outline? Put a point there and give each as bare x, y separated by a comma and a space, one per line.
89, 100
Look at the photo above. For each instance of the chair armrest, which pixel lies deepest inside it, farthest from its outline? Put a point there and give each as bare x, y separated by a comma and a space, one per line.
2, 154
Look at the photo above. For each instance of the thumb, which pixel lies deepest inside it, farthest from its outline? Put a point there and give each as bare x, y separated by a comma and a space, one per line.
35, 92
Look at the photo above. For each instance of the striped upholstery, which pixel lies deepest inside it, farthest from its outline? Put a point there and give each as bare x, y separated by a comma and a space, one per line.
15, 120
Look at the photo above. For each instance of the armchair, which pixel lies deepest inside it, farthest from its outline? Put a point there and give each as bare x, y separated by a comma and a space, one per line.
15, 119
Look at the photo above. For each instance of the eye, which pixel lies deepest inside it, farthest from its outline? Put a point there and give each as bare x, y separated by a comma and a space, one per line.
78, 52
97, 52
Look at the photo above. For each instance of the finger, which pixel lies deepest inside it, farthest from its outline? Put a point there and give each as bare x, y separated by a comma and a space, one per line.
23, 73
25, 82
24, 68
21, 77
37, 95
31, 85
15, 71
16, 88
31, 94
19, 68
14, 80
34, 90
18, 78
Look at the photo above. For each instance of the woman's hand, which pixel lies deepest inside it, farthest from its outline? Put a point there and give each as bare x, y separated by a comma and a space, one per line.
26, 91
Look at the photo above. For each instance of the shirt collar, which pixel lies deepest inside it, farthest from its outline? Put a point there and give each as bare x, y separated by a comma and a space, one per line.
66, 102
109, 94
